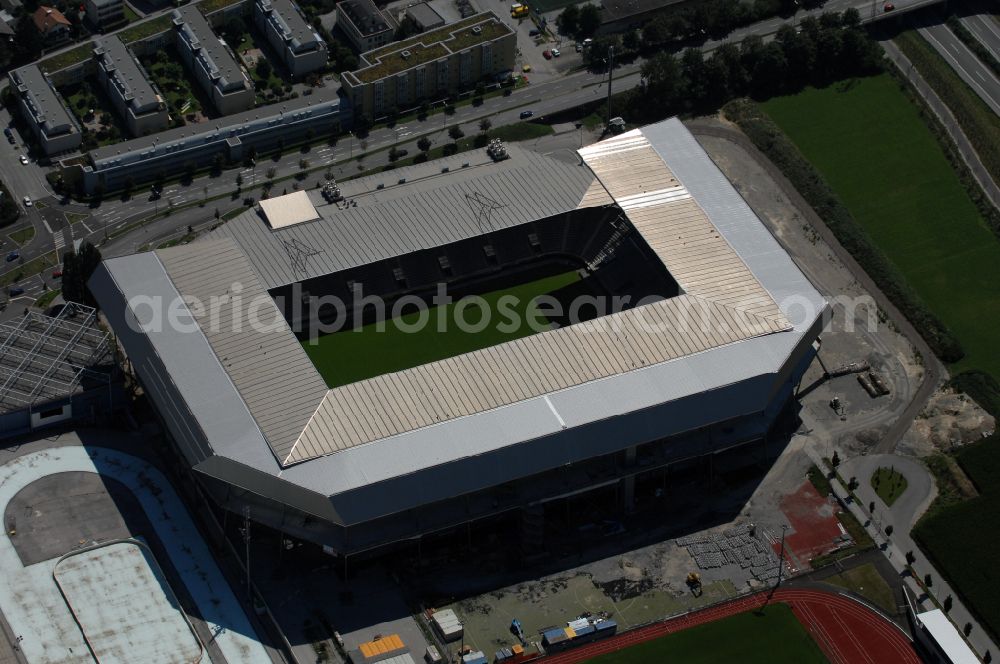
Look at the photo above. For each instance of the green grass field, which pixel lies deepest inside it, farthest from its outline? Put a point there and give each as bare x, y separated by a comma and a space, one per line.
888, 484
774, 636
869, 143
961, 539
348, 356
866, 581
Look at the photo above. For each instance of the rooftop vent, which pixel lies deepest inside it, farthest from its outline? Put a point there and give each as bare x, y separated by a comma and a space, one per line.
477, 30
405, 54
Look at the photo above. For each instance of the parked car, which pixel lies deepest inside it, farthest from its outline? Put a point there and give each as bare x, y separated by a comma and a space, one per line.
526, 68
526, 114
24, 159
547, 54
578, 47
15, 291
888, 7
555, 53
27, 201
13, 256
57, 273
534, 32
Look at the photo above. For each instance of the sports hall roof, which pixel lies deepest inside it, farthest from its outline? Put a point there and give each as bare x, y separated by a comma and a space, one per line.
731, 271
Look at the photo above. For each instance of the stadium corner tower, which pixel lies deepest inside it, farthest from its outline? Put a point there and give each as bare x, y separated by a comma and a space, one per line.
709, 360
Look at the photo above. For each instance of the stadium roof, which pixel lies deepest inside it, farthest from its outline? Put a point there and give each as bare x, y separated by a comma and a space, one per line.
270, 410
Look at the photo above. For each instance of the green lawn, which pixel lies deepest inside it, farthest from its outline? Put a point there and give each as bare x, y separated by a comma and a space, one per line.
866, 581
774, 636
349, 356
962, 540
889, 485
869, 143
23, 236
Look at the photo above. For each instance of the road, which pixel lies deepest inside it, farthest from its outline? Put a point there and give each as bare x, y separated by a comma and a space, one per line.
553, 88
965, 63
986, 29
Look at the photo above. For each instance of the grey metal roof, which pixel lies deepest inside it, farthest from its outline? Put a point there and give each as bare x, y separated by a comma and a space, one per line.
128, 78
238, 124
424, 15
429, 210
286, 20
271, 371
46, 106
209, 51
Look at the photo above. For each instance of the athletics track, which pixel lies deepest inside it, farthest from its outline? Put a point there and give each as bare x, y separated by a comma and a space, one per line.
847, 631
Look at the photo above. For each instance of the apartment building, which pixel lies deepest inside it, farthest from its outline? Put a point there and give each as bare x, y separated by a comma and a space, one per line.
301, 48
135, 98
214, 66
174, 151
52, 123
431, 65
364, 24
102, 13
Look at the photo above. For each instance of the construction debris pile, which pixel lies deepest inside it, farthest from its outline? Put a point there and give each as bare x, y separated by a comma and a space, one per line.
737, 546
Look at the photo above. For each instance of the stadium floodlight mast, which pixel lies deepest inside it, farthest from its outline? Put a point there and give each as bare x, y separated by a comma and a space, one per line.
781, 565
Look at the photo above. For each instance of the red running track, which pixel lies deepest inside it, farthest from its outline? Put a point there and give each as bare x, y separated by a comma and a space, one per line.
847, 631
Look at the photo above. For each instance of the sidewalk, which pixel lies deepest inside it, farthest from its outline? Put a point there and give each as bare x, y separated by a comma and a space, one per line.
895, 548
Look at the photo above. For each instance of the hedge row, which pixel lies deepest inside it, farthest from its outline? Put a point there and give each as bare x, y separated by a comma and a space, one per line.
770, 140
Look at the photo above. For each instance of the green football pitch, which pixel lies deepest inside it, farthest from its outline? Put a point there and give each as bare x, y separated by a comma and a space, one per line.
774, 636
871, 146
352, 355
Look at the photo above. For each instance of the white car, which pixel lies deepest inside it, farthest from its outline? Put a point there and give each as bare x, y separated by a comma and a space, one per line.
24, 159
27, 201
555, 53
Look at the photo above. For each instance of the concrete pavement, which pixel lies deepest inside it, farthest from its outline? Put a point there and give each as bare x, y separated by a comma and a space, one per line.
895, 548
910, 505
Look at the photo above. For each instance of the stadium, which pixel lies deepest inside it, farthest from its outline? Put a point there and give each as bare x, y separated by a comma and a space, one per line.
279, 352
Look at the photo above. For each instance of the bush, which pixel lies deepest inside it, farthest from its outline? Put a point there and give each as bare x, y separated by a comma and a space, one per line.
770, 140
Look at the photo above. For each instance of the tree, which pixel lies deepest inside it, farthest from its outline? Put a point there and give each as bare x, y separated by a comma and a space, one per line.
662, 80
835, 459
871, 507
234, 31
239, 181
263, 68
928, 580
485, 124
270, 173
303, 164
910, 558
424, 144
888, 530
77, 268
568, 21
407, 28
967, 629
589, 21
455, 132
947, 603
393, 154
449, 109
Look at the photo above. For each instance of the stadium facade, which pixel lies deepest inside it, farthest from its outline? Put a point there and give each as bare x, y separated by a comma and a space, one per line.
708, 364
